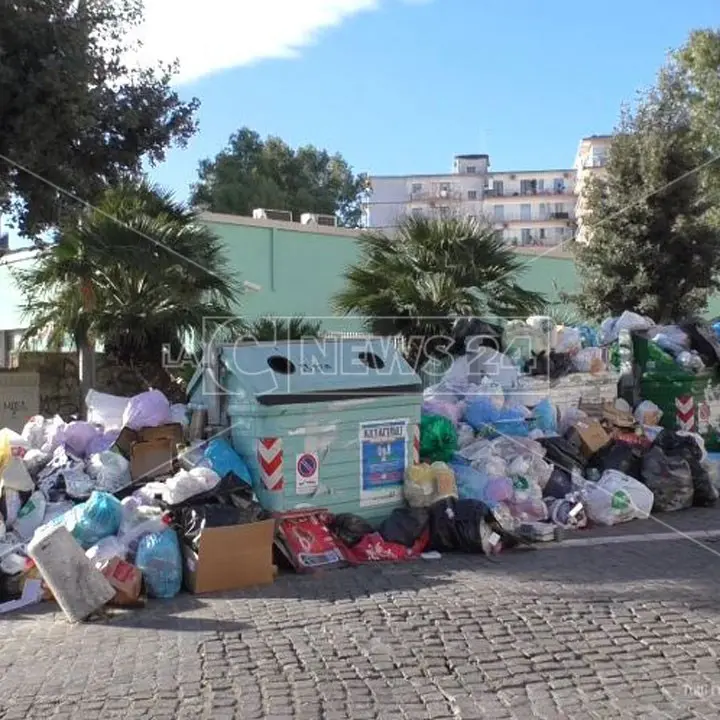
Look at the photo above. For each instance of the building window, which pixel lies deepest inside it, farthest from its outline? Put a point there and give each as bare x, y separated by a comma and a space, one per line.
445, 187
528, 187
470, 169
498, 213
525, 212
472, 194
542, 233
525, 236
559, 207
559, 186
498, 188
416, 187
559, 233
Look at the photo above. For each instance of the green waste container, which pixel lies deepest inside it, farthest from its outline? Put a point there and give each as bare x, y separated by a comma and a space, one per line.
689, 401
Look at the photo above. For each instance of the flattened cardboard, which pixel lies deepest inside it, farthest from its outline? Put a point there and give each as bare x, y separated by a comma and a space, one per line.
125, 440
231, 558
152, 459
592, 436
125, 578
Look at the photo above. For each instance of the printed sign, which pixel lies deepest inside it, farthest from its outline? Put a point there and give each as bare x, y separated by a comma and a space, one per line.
383, 459
307, 472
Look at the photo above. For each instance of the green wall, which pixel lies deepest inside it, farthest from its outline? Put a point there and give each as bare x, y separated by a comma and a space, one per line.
300, 271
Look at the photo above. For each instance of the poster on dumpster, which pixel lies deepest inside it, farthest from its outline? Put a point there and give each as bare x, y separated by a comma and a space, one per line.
383, 459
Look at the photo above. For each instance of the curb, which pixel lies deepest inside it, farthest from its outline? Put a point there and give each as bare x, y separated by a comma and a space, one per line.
697, 535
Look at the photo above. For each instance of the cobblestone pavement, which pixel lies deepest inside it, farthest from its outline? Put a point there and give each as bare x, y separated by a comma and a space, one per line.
614, 631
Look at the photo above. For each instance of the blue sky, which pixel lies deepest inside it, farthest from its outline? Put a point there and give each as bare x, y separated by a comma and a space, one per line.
399, 86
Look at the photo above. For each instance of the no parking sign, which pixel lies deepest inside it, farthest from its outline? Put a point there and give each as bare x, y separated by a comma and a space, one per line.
307, 472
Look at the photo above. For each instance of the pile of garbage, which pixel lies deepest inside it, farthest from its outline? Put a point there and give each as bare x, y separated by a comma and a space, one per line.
111, 509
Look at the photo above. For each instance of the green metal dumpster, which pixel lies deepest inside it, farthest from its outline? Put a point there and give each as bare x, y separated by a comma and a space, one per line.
321, 423
689, 401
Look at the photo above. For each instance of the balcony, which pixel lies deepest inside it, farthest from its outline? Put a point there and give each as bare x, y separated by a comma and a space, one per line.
536, 217
436, 196
518, 194
597, 162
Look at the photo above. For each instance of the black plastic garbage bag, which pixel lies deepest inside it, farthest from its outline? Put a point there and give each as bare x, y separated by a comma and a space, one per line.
620, 456
405, 525
349, 528
559, 484
563, 454
192, 520
670, 480
553, 365
465, 526
704, 341
487, 334
675, 445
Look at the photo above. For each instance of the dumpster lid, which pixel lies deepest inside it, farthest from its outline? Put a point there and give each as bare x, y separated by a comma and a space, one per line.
317, 370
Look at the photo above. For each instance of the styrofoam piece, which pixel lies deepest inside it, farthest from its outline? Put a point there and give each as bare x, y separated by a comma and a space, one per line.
79, 588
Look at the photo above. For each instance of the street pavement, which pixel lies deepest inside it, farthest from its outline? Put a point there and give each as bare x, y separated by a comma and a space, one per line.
601, 630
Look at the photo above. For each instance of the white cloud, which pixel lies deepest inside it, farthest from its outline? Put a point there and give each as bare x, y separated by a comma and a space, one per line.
207, 36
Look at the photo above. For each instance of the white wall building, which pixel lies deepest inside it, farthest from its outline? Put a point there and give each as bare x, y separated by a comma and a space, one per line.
590, 162
530, 207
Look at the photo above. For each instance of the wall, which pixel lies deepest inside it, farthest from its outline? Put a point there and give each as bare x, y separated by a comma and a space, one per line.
298, 269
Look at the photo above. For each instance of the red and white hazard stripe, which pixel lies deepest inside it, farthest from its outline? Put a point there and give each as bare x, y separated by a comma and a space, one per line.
685, 413
270, 460
416, 444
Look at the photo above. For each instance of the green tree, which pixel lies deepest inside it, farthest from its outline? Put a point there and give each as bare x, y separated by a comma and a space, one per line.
74, 119
415, 282
653, 245
139, 272
255, 173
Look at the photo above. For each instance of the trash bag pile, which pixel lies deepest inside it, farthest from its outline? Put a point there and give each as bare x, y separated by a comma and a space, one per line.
120, 494
543, 469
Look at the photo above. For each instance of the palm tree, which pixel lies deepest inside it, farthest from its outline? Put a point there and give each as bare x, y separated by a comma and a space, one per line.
417, 281
138, 272
269, 329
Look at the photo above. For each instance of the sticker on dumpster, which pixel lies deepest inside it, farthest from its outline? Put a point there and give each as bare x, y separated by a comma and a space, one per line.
307, 467
383, 459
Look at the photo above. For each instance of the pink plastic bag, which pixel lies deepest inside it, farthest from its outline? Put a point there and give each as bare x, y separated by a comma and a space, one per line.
148, 409
451, 410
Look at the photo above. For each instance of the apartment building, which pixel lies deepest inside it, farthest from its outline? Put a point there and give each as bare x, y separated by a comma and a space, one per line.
590, 161
529, 207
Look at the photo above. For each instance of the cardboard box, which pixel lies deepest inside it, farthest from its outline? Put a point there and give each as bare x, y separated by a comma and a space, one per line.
618, 418
152, 459
127, 438
125, 578
231, 558
592, 436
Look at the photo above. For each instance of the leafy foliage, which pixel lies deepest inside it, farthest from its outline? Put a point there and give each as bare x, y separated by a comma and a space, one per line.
415, 282
271, 329
138, 272
654, 247
252, 173
73, 116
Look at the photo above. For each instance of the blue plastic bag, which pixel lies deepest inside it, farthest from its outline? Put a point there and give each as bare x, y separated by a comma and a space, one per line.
160, 561
97, 518
223, 459
545, 417
481, 412
588, 336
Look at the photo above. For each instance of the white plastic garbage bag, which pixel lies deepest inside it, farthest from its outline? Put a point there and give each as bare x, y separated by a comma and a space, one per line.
186, 484
106, 410
179, 414
31, 516
109, 471
617, 498
34, 432
587, 359
107, 549
54, 434
148, 409
567, 339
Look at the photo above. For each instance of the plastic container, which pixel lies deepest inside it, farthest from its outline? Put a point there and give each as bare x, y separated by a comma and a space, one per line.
77, 586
